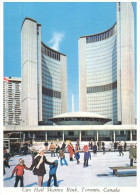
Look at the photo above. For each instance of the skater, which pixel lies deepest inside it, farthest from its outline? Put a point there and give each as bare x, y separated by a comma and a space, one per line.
19, 169
52, 149
46, 144
5, 164
63, 146
120, 149
52, 173
7, 158
86, 157
103, 148
115, 146
132, 154
85, 148
135, 160
25, 148
70, 150
57, 150
99, 145
78, 144
62, 158
95, 149
77, 156
39, 166
125, 145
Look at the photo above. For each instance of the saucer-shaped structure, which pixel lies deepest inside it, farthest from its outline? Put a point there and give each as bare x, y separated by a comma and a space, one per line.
79, 118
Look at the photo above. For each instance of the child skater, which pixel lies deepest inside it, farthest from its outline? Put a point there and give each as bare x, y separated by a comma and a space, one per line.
77, 156
52, 173
86, 157
19, 169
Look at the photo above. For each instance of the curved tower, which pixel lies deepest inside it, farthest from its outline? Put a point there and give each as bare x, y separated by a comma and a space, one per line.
44, 77
106, 69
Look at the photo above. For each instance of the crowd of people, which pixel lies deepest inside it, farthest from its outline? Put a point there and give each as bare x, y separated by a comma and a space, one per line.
39, 159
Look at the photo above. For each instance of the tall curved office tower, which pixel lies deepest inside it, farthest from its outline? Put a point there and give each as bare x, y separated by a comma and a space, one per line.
44, 77
106, 69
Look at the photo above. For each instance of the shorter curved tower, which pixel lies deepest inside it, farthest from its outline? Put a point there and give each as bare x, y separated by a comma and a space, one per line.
44, 77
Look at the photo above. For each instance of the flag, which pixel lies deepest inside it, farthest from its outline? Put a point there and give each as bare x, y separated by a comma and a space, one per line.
5, 79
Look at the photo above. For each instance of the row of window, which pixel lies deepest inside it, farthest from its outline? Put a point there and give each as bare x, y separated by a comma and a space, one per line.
105, 44
51, 93
101, 36
102, 88
98, 51
47, 51
52, 67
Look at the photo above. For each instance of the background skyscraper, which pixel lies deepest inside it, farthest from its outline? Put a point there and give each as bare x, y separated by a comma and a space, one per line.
11, 101
106, 70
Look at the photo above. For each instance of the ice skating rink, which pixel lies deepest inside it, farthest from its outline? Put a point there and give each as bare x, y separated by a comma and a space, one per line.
97, 174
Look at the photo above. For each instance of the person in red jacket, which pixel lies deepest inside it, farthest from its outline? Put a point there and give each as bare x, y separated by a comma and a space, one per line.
19, 169
85, 148
70, 150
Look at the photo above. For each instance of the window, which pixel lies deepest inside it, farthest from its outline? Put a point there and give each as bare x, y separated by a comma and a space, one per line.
71, 133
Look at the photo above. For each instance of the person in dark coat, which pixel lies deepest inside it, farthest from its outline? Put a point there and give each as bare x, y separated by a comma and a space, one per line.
86, 157
115, 145
95, 149
46, 144
57, 150
7, 158
63, 146
125, 145
39, 166
52, 173
132, 154
120, 149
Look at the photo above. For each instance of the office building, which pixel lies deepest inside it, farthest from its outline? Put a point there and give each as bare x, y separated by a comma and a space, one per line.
106, 70
44, 77
11, 101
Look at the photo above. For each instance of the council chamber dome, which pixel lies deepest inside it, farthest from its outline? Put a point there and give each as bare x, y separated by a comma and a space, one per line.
79, 118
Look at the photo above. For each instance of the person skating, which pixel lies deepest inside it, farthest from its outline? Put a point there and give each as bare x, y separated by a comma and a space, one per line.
57, 150
71, 150
77, 156
39, 166
132, 154
87, 156
62, 158
52, 173
63, 147
52, 149
95, 149
19, 169
125, 145
85, 148
120, 149
46, 144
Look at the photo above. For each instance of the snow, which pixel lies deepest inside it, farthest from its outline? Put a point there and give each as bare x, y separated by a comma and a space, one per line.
97, 174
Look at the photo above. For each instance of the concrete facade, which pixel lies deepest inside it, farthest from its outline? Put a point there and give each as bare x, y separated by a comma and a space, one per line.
126, 85
44, 77
106, 70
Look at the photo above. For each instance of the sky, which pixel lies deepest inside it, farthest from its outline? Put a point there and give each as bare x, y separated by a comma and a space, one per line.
62, 25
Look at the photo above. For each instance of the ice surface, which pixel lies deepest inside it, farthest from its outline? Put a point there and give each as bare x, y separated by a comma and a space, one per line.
97, 174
